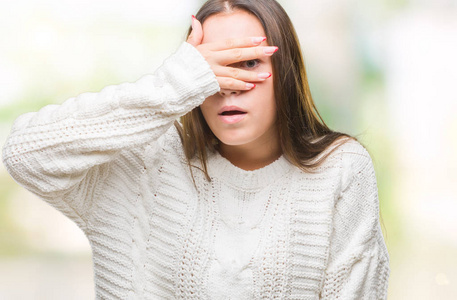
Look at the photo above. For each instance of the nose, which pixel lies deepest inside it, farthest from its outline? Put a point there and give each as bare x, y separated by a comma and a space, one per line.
225, 93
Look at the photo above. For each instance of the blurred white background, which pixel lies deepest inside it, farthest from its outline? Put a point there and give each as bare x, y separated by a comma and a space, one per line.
383, 70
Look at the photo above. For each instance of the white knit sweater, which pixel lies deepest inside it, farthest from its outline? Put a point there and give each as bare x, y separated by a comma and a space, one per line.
113, 163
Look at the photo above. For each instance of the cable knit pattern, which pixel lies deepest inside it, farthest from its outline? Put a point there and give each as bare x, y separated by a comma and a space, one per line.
113, 163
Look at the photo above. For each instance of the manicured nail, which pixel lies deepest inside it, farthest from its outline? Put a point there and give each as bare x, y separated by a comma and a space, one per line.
250, 85
270, 50
258, 40
264, 75
193, 20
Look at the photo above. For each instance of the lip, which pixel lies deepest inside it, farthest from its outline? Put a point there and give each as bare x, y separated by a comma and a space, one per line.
231, 119
229, 108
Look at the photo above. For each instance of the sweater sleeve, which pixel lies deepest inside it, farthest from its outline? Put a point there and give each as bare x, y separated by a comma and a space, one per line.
358, 260
60, 153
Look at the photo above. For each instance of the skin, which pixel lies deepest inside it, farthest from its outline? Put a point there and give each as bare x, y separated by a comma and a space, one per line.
238, 61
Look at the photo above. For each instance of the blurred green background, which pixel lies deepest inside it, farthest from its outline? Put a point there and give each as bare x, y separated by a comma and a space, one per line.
384, 71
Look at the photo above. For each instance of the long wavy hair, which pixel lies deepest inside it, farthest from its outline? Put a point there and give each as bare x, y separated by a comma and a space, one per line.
303, 133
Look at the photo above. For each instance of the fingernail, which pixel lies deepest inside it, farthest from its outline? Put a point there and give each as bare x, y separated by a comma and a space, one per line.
264, 75
250, 85
193, 20
270, 50
258, 40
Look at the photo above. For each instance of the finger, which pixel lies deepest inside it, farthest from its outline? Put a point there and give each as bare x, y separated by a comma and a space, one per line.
235, 43
226, 83
227, 57
241, 74
196, 36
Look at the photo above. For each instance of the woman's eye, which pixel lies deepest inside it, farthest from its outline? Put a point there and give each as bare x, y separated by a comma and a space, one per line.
250, 63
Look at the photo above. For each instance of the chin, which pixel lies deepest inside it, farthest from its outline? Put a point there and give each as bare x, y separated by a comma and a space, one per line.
232, 140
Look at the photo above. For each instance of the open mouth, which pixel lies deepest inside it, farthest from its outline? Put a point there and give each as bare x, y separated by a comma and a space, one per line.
232, 113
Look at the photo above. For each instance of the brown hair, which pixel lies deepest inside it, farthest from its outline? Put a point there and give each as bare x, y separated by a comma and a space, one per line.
303, 133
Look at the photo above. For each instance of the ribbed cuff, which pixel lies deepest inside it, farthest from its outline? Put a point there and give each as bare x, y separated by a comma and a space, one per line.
190, 74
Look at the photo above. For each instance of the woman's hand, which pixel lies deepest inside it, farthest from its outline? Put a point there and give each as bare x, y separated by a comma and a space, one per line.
221, 54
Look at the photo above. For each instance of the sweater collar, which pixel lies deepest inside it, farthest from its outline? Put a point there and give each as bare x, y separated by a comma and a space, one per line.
240, 179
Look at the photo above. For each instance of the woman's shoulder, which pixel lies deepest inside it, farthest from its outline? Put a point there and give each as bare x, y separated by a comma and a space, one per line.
167, 147
347, 149
348, 155
350, 149
354, 161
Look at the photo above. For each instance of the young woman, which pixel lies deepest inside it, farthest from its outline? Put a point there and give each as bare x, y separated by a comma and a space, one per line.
248, 196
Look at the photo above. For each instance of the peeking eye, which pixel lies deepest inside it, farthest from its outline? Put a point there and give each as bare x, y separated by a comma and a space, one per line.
249, 64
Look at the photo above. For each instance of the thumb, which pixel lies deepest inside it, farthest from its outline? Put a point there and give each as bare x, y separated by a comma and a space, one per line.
196, 35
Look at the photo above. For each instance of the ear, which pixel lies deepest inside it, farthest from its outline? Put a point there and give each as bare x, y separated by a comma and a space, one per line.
196, 35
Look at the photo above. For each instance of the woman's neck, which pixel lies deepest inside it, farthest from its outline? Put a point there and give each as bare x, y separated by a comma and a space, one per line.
248, 157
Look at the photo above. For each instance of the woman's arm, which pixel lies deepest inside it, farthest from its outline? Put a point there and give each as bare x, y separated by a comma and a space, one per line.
60, 152
358, 262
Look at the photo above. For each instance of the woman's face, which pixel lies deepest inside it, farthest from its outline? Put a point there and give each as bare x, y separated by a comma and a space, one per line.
241, 118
